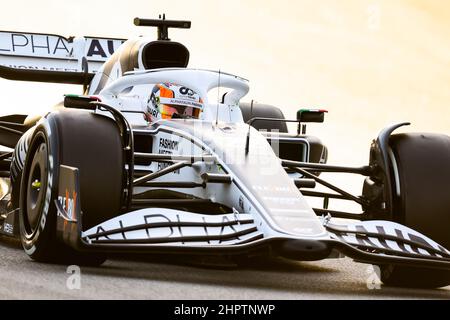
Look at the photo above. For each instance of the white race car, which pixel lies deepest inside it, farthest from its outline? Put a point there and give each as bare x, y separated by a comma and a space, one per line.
144, 162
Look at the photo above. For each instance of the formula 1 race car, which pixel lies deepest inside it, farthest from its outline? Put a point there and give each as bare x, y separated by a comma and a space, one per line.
143, 162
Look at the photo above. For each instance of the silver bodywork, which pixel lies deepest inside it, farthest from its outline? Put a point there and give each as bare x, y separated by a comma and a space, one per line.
217, 161
265, 208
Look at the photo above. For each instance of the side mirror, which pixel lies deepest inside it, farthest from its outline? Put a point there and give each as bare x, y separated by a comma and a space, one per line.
311, 115
79, 102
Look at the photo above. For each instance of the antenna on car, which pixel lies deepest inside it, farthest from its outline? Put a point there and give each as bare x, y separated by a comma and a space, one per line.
163, 25
218, 99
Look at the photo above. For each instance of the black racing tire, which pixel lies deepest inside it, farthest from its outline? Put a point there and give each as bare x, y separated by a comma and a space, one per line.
424, 203
78, 139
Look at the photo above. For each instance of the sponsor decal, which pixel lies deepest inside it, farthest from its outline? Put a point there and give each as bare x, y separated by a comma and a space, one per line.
357, 235
95, 48
53, 46
15, 66
186, 91
48, 191
180, 102
152, 108
151, 114
34, 44
69, 202
170, 230
167, 146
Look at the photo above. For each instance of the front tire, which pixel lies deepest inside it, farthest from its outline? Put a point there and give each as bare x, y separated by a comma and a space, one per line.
423, 166
79, 139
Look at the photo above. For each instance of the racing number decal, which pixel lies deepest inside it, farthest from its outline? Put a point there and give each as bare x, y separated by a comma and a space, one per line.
68, 202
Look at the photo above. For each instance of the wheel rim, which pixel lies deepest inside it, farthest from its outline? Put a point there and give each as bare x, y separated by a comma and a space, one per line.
36, 187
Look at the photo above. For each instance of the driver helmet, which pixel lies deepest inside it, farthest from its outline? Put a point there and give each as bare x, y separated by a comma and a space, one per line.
171, 101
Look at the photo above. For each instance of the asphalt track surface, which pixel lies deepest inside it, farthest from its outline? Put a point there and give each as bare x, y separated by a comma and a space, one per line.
163, 278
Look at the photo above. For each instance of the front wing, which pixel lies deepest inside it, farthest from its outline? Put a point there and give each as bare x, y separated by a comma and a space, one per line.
162, 230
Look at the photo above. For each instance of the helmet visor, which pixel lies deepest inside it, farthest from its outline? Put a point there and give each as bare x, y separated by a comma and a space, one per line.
168, 111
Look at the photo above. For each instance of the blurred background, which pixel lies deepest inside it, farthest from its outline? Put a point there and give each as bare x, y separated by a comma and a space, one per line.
369, 62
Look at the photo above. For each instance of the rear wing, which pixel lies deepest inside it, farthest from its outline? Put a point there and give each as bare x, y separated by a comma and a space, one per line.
53, 58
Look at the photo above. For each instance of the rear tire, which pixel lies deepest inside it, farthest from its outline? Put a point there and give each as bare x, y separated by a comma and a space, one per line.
424, 203
79, 139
